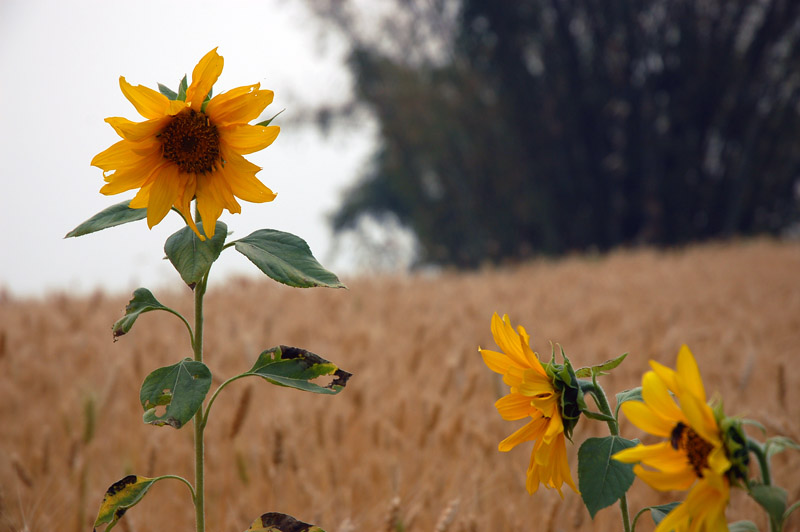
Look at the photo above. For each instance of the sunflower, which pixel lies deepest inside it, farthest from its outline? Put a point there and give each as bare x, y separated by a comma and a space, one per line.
189, 148
532, 395
693, 449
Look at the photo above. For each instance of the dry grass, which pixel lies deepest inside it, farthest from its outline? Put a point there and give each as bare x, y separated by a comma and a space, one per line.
411, 444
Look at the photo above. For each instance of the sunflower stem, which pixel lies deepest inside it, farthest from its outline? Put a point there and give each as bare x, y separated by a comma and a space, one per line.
613, 427
199, 464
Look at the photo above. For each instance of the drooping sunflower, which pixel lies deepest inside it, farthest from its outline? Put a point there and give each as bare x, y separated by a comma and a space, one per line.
532, 395
693, 452
189, 148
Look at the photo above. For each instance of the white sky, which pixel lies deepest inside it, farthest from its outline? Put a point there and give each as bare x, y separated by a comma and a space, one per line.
59, 67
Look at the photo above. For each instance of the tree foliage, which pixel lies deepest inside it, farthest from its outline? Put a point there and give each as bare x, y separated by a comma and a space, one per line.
544, 126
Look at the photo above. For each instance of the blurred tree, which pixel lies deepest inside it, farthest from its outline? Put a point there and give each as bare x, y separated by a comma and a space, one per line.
511, 127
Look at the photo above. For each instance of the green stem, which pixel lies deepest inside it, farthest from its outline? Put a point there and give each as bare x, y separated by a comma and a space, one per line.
189, 327
199, 476
763, 462
216, 392
176, 477
613, 427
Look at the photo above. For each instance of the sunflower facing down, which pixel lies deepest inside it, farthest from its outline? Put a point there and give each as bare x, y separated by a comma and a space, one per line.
532, 395
693, 449
189, 149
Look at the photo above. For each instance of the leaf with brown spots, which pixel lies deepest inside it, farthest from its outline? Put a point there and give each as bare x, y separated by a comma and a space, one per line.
120, 496
296, 368
277, 522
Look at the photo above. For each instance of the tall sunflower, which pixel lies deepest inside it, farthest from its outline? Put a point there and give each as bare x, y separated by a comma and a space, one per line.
190, 148
693, 449
532, 395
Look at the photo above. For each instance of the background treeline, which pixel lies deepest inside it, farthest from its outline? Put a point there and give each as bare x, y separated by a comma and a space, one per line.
512, 127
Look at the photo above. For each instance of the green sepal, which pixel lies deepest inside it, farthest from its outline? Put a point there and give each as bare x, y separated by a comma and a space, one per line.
267, 122
143, 301
191, 256
166, 91
601, 479
600, 369
742, 526
735, 441
276, 522
658, 513
122, 495
181, 387
771, 498
182, 87
296, 368
117, 214
634, 394
778, 444
572, 398
286, 258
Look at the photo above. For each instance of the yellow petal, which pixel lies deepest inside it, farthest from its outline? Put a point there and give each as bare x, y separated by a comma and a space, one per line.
530, 431
132, 176
245, 138
239, 173
666, 481
717, 461
497, 362
701, 417
646, 419
689, 374
514, 406
667, 375
121, 154
137, 131
204, 75
163, 193
507, 339
187, 192
149, 103
142, 198
659, 456
239, 105
657, 397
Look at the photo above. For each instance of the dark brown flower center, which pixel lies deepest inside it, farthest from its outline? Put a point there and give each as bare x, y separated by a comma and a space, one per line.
192, 142
684, 438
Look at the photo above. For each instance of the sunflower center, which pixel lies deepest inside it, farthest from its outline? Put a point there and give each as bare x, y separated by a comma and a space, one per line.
191, 141
684, 438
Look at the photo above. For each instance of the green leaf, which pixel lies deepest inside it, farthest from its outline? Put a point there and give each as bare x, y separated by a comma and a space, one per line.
286, 258
771, 498
143, 301
658, 513
600, 369
634, 394
191, 256
115, 215
742, 526
778, 444
267, 122
601, 479
166, 91
275, 522
182, 86
181, 387
296, 368
122, 495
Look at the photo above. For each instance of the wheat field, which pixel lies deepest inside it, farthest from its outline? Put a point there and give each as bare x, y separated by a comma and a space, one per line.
411, 443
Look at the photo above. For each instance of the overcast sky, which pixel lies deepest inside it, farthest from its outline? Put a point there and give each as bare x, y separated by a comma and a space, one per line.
59, 68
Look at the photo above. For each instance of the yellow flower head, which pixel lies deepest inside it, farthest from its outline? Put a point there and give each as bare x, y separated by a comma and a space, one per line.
532, 395
190, 148
693, 448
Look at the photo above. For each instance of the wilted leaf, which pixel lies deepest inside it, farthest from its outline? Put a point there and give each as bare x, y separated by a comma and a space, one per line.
658, 513
742, 526
276, 522
122, 495
296, 368
634, 394
181, 387
117, 214
143, 301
